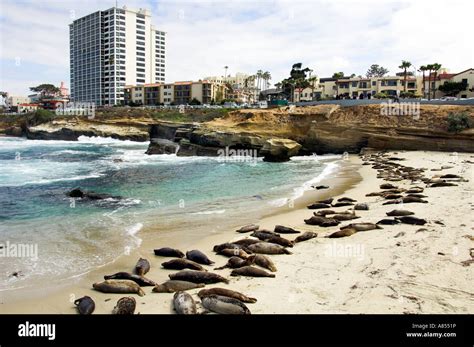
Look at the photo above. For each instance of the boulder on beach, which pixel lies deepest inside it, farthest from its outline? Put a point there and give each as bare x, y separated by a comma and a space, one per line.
278, 150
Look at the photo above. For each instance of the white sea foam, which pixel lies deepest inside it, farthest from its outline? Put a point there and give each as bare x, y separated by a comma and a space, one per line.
209, 212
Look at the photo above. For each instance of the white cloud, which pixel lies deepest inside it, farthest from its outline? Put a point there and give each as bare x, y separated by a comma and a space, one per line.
204, 36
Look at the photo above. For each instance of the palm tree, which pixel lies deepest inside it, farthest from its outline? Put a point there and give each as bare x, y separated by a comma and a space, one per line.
267, 76
429, 67
405, 65
225, 72
436, 68
312, 81
422, 69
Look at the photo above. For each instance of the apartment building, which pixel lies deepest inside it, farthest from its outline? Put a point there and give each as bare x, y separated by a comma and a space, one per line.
111, 49
178, 93
466, 76
358, 87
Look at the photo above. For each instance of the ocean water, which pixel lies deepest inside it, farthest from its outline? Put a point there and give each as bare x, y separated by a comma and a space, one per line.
71, 236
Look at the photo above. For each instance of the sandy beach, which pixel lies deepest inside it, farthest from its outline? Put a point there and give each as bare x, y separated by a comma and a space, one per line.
398, 269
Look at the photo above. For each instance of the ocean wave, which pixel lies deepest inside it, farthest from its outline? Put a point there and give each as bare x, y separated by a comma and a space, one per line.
208, 212
316, 157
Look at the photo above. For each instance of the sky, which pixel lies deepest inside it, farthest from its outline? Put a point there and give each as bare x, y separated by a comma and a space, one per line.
203, 36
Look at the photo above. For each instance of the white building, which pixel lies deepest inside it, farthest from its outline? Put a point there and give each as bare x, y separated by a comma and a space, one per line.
113, 48
14, 101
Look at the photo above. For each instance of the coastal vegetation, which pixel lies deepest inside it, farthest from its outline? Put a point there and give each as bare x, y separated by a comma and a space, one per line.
458, 122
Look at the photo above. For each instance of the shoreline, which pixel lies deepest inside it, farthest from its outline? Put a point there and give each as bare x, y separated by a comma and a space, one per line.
398, 269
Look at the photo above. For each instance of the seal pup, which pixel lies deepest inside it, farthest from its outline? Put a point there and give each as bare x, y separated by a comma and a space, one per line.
85, 305
248, 228
169, 252
250, 271
140, 280
198, 257
224, 305
142, 267
306, 236
284, 230
394, 213
180, 264
198, 277
226, 292
236, 262
172, 286
184, 303
412, 220
118, 286
125, 305
268, 248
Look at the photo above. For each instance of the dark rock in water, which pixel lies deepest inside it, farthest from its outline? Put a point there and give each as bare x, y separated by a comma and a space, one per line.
14, 131
321, 187
318, 205
81, 194
162, 146
285, 230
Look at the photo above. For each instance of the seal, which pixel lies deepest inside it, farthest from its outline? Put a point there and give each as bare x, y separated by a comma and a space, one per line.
415, 190
125, 305
362, 226
388, 186
118, 286
408, 199
324, 213
142, 267
361, 206
326, 201
387, 221
180, 264
236, 262
140, 280
233, 252
85, 305
198, 257
346, 199
246, 242
184, 303
176, 286
263, 234
442, 184
198, 277
248, 228
268, 248
306, 236
343, 233
344, 203
412, 220
226, 292
344, 216
395, 213
417, 195
284, 230
277, 240
392, 196
169, 252
227, 245
321, 221
250, 271
263, 261
318, 205
224, 305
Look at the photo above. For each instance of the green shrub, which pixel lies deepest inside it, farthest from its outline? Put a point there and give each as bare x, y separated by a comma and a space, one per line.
40, 116
380, 96
457, 122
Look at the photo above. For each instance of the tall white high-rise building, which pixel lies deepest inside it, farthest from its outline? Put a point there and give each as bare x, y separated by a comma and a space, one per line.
111, 49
